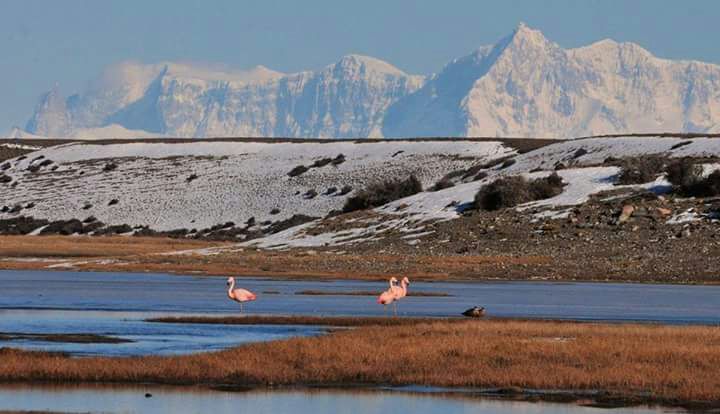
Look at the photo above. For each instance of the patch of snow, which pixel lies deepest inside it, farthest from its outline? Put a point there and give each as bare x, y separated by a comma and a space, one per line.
235, 180
687, 216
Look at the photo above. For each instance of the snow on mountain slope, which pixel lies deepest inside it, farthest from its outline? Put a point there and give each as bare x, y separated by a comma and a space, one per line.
523, 86
345, 99
153, 183
584, 178
528, 86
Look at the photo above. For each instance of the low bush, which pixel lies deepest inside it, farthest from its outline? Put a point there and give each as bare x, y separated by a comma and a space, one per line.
546, 187
683, 173
511, 191
442, 184
339, 159
640, 170
345, 190
299, 170
321, 162
502, 193
380, 193
110, 167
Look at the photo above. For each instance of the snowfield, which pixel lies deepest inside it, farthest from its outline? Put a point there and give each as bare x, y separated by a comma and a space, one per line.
583, 179
154, 183
200, 184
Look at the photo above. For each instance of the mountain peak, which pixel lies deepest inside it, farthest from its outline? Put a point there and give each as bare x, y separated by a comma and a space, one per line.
524, 35
369, 63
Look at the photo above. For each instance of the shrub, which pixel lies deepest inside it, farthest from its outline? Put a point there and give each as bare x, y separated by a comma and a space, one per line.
502, 193
331, 190
511, 191
275, 211
442, 184
310, 194
110, 166
295, 220
192, 177
346, 189
5, 178
706, 187
5, 166
113, 202
339, 159
300, 169
378, 194
321, 162
639, 170
546, 187
683, 173
64, 227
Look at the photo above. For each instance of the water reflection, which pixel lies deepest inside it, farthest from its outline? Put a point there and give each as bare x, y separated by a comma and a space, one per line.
147, 338
195, 400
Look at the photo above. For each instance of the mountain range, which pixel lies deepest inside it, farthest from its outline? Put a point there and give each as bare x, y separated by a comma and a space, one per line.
523, 86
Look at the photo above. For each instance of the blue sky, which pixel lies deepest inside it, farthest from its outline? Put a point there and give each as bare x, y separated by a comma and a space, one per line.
70, 41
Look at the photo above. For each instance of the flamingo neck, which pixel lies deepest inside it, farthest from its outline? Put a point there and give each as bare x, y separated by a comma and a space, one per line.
230, 289
403, 285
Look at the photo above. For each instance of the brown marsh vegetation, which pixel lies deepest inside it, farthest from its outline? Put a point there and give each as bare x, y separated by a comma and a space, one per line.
668, 364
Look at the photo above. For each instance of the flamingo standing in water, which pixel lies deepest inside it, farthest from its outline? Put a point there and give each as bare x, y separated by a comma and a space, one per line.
389, 296
401, 291
239, 295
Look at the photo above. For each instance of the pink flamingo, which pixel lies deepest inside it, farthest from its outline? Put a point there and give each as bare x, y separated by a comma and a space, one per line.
389, 296
239, 295
401, 291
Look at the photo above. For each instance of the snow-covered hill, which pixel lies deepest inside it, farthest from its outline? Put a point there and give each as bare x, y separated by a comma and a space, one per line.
584, 178
523, 86
201, 184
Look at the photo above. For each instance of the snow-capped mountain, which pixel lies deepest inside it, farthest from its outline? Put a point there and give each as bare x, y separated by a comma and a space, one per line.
528, 86
346, 99
523, 86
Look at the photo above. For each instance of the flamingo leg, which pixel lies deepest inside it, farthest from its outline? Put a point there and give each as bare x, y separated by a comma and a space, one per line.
241, 307
395, 309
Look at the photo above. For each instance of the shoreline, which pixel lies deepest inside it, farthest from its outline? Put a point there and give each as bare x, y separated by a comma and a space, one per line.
318, 277
203, 258
591, 398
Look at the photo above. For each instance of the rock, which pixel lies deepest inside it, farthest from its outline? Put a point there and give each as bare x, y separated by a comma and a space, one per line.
475, 312
625, 214
664, 211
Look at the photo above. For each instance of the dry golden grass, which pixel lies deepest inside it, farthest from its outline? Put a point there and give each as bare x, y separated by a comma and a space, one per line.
659, 363
140, 254
96, 247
